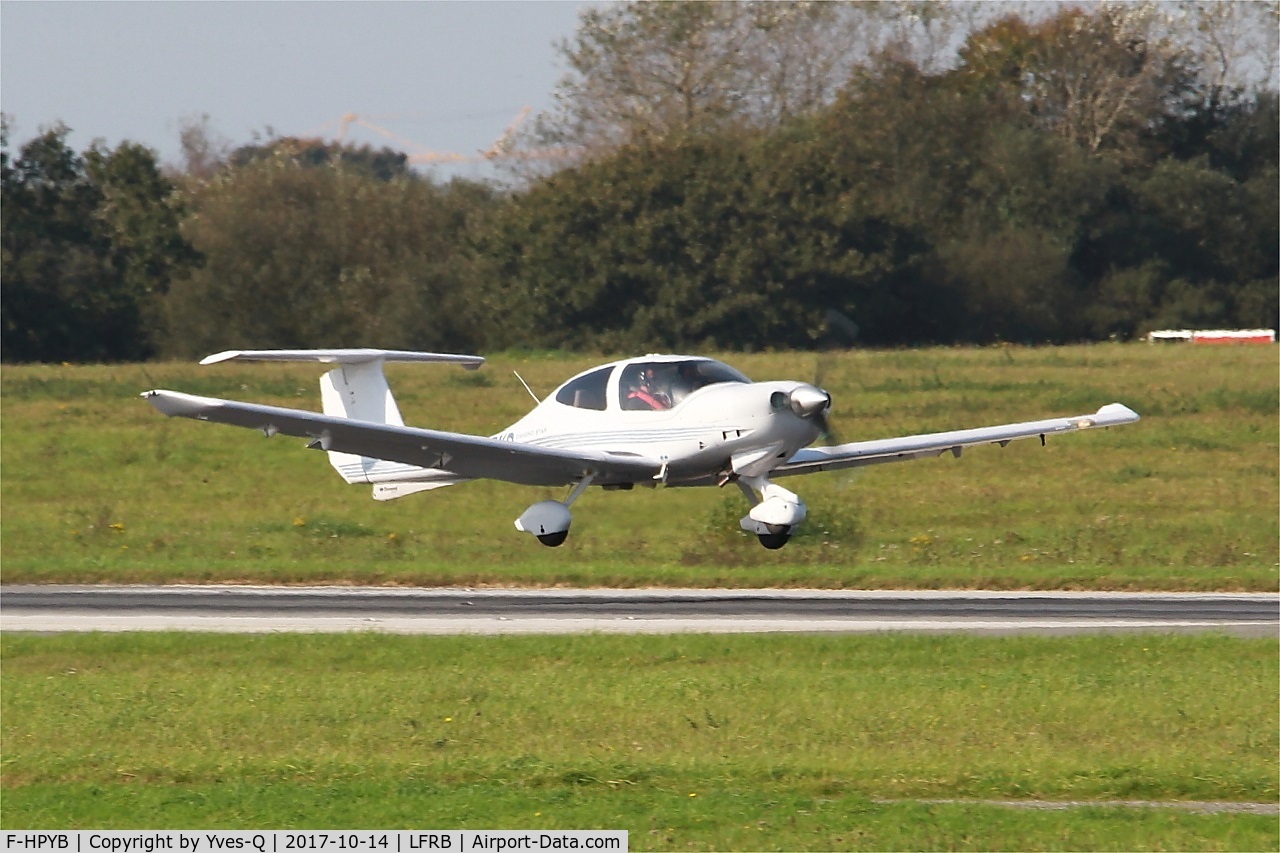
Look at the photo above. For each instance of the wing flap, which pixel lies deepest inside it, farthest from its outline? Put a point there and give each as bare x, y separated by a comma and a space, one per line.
466, 456
859, 453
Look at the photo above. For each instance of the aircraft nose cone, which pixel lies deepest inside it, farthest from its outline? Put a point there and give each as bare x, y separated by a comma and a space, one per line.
808, 401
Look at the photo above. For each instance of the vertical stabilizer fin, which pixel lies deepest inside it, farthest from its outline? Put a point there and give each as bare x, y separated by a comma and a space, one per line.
359, 392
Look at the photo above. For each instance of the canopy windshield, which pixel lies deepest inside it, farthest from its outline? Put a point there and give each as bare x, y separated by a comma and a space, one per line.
659, 385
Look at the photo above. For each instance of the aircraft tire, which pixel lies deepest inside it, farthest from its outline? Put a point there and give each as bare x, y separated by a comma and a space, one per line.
773, 541
553, 540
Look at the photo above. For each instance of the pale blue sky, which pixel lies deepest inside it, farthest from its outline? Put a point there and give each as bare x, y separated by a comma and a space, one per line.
447, 75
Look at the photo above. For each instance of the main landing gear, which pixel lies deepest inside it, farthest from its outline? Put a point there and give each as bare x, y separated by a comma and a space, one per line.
550, 520
553, 540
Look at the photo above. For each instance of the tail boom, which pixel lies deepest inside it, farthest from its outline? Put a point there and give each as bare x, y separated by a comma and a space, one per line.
357, 389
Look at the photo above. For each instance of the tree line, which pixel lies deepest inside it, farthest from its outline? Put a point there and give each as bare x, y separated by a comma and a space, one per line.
734, 173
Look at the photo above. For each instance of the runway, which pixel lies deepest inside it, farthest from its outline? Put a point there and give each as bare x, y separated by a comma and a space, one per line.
259, 609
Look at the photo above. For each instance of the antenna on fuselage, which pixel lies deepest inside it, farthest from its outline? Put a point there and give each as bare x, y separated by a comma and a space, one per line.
526, 386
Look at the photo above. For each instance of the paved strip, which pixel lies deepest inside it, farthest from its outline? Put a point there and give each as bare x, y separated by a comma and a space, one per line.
492, 611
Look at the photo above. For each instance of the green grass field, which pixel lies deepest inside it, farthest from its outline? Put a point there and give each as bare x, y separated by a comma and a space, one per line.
98, 487
690, 742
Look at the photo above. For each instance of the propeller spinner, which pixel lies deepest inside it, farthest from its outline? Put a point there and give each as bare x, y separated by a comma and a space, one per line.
809, 402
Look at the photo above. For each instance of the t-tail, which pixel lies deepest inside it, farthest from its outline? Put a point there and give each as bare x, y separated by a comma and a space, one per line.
357, 389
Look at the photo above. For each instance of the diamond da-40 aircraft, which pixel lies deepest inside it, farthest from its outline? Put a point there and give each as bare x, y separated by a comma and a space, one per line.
658, 419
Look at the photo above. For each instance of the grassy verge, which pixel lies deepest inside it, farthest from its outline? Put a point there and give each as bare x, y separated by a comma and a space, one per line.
720, 818
706, 742
98, 487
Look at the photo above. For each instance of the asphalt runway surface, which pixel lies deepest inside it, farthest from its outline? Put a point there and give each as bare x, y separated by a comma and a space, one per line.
259, 609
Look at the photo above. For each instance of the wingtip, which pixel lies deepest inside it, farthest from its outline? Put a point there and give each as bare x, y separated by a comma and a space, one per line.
225, 355
1117, 413
177, 403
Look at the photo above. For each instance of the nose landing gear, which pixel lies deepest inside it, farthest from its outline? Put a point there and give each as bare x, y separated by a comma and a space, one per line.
775, 512
774, 541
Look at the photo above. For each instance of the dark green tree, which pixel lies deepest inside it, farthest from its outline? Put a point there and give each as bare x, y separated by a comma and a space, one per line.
742, 240
89, 243
298, 256
630, 251
384, 164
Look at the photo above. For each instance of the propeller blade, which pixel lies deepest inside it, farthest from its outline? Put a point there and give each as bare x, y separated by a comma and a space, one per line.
829, 435
840, 328
839, 332
813, 403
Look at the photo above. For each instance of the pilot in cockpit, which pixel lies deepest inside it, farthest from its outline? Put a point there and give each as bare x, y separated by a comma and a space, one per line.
647, 392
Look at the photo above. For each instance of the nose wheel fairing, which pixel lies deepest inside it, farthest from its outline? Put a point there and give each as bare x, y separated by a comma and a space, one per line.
775, 512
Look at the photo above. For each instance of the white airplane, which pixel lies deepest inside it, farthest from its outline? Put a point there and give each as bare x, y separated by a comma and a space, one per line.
660, 419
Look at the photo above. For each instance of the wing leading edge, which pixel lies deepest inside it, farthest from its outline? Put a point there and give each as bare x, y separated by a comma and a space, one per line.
858, 453
465, 456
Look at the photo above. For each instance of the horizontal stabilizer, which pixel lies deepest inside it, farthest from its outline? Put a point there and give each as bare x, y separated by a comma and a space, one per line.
342, 356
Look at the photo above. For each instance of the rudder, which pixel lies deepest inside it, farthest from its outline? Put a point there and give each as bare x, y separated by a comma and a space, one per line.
359, 392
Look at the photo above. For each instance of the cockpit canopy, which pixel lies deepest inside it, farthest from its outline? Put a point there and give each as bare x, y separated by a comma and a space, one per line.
645, 385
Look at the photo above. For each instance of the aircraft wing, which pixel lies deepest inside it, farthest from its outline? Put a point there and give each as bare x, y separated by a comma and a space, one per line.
858, 453
468, 456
